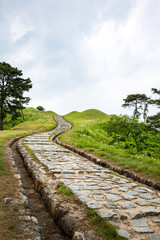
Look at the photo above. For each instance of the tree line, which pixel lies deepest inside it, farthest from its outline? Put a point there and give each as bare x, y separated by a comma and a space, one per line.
132, 134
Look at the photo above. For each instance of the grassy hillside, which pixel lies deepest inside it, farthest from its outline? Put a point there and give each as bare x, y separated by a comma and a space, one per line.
30, 114
36, 121
89, 135
90, 114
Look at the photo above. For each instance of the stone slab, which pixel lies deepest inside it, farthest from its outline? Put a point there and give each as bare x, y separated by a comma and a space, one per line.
111, 205
143, 230
127, 205
112, 197
94, 205
141, 222
107, 215
146, 196
123, 233
154, 237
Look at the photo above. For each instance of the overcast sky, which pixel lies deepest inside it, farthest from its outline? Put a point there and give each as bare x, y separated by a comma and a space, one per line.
83, 54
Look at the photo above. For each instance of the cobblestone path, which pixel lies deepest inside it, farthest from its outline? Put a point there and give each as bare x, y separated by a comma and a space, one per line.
132, 207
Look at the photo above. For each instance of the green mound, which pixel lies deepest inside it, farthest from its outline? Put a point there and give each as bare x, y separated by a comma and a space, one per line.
87, 115
29, 114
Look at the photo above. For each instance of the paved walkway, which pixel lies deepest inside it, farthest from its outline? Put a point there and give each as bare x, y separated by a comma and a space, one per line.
132, 207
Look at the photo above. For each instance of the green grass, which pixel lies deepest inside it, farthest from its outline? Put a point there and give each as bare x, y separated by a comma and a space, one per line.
89, 135
102, 226
64, 190
35, 121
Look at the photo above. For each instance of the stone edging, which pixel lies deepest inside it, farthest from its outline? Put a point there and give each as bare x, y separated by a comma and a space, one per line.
106, 164
65, 215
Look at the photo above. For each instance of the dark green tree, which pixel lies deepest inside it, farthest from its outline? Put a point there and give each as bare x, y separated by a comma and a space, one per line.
154, 120
12, 88
139, 103
40, 108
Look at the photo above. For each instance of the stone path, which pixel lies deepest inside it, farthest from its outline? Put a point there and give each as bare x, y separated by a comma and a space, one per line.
132, 207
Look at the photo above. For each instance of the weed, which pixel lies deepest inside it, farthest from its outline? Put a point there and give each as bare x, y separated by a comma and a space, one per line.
91, 212
12, 226
15, 209
64, 190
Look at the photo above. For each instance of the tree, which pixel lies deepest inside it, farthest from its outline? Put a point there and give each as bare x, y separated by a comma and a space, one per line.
154, 120
12, 87
138, 102
40, 108
128, 130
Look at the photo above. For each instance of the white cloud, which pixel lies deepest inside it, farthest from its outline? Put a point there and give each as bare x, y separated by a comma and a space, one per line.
20, 27
21, 56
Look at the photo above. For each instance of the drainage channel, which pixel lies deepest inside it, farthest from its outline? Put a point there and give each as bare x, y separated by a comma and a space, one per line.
42, 226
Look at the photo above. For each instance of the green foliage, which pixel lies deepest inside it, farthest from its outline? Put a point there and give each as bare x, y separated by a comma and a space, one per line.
64, 190
154, 120
103, 227
91, 212
40, 108
12, 87
138, 102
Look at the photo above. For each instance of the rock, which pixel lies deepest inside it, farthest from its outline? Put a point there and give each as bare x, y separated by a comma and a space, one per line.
111, 205
150, 212
124, 189
78, 236
34, 220
143, 203
8, 200
156, 220
98, 198
123, 233
128, 197
39, 183
133, 193
140, 222
154, 237
112, 197
143, 230
93, 205
146, 196
135, 214
106, 214
126, 205
96, 192
155, 201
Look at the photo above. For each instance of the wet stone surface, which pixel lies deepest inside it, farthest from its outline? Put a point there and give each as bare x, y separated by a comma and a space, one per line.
134, 206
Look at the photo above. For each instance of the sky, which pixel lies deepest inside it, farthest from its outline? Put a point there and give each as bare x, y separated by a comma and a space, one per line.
83, 54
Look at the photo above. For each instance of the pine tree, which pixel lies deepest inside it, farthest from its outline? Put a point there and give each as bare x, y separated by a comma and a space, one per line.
12, 87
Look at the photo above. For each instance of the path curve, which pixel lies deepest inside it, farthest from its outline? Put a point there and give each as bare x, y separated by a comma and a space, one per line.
132, 207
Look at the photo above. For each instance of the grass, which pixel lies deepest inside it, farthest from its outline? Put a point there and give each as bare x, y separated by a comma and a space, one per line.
88, 135
102, 226
64, 190
36, 121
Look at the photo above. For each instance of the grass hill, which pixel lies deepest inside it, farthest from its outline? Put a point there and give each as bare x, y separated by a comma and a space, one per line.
87, 115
